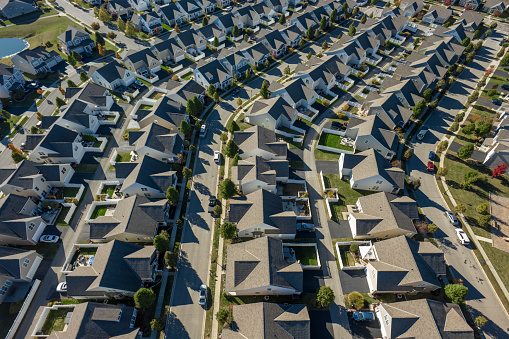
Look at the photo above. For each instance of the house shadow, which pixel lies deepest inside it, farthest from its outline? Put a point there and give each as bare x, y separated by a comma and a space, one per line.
175, 328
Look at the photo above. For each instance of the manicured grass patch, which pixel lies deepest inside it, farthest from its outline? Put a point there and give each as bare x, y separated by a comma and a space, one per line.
148, 84
499, 259
45, 11
26, 102
70, 192
86, 168
346, 256
20, 125
347, 195
326, 156
306, 255
482, 111
108, 189
292, 144
334, 141
187, 76
99, 212
55, 320
123, 157
156, 95
145, 107
61, 216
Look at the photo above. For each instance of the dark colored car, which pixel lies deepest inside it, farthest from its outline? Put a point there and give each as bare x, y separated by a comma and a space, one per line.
497, 102
505, 87
432, 156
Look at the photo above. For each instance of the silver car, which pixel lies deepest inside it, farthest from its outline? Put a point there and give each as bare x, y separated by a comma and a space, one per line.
452, 218
203, 295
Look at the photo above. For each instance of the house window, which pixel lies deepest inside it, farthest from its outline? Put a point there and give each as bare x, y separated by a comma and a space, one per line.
366, 141
269, 289
26, 262
138, 239
31, 226
119, 316
421, 285
386, 318
41, 153
126, 239
373, 274
36, 188
144, 189
42, 179
379, 181
48, 186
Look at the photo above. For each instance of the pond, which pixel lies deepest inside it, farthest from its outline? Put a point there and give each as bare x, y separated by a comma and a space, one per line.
11, 46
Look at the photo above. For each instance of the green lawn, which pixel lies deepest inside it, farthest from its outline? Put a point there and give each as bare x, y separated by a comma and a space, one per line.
499, 259
20, 125
347, 195
156, 95
306, 255
108, 189
123, 157
478, 194
326, 156
144, 107
29, 99
55, 320
298, 165
482, 111
61, 216
45, 11
71, 192
7, 125
334, 141
99, 212
495, 79
47, 250
346, 256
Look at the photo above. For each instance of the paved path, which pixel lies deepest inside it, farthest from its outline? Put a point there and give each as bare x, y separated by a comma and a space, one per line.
484, 239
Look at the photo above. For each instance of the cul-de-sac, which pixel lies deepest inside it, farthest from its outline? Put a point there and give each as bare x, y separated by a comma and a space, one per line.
250, 169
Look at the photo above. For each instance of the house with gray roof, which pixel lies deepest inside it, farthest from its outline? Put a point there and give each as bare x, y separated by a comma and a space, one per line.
382, 215
371, 132
209, 32
134, 219
159, 142
269, 320
384, 28
76, 40
457, 31
18, 226
258, 267
353, 51
99, 321
422, 78
274, 41
207, 6
146, 176
370, 171
322, 74
182, 91
266, 13
431, 62
11, 78
411, 8
149, 22
496, 147
170, 14
113, 75
271, 113
212, 72
256, 54
304, 21
96, 97
295, 93
235, 63
261, 213
437, 14
246, 17
403, 265
471, 20
17, 269
422, 318
190, 9
60, 145
493, 6
260, 141
77, 119
168, 51
14, 8
36, 60
120, 8
142, 62
292, 34
256, 173
30, 179
447, 48
166, 113
224, 21
389, 108
118, 268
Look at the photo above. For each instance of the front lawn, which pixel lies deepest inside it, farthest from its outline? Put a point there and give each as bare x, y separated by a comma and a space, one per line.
347, 195
499, 259
306, 255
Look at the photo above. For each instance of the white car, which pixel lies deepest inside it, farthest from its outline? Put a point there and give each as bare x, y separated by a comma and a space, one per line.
229, 8
203, 131
138, 82
48, 238
452, 218
62, 287
203, 295
217, 157
462, 236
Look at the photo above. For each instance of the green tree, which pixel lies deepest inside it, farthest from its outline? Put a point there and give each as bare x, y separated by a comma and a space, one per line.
469, 47
231, 149
505, 60
432, 228
344, 8
408, 154
456, 293
427, 94
324, 296
264, 91
478, 46
227, 189
334, 15
356, 300
287, 70
198, 105
419, 108
228, 230
323, 24
460, 208
465, 151
71, 60
222, 316
104, 16
161, 243
172, 195
325, 45
157, 324
235, 31
216, 97
83, 77
484, 221
190, 107
130, 31
70, 83
352, 30
310, 32
16, 157
185, 128
302, 43
76, 56
501, 53
60, 102
248, 74
477, 34
121, 24
236, 159
187, 172
482, 130
442, 145
218, 210
267, 63
364, 19
232, 126
480, 320
239, 101
468, 129
355, 11
483, 208
216, 42
470, 57
282, 19
99, 39
205, 21
465, 42
170, 259
211, 90
309, 55
144, 298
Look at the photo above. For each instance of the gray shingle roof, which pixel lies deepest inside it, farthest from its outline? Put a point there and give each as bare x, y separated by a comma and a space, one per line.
372, 163
146, 171
112, 71
59, 141
14, 220
158, 138
257, 137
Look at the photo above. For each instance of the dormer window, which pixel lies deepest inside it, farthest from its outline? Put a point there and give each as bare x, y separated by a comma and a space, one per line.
31, 226
26, 262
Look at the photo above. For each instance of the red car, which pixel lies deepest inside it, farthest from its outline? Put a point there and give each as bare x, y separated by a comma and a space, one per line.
431, 166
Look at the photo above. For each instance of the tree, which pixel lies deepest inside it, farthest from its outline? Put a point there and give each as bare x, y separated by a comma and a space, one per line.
408, 154
216, 97
218, 210
95, 26
17, 157
198, 105
70, 83
99, 39
501, 168
488, 33
236, 159
456, 293
480, 320
187, 172
104, 16
323, 24
287, 70
419, 108
235, 31
388, 4
60, 102
185, 128
334, 15
177, 29
355, 11
227, 189
352, 30
325, 45
170, 259
468, 129
6, 115
205, 21
157, 324
505, 60
356, 300
309, 55
231, 149
482, 130
324, 296
302, 43
222, 316
120, 24
478, 46
267, 63
83, 77
76, 56
442, 171
433, 105
190, 107
484, 221
246, 37
71, 60
470, 57
344, 9
465, 151
100, 50
364, 19
465, 42
228, 230
211, 90
427, 94
310, 32
264, 91
460, 208
282, 19
501, 53
483, 208
144, 298
130, 31
216, 42
172, 195
469, 47
239, 101
161, 243
432, 228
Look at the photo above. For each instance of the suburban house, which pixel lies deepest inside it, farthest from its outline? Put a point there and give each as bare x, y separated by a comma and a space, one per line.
100, 320
209, 32
207, 6
190, 9
304, 21
30, 179
18, 226
36, 60
385, 28
149, 22
76, 40
182, 91
493, 6
292, 34
457, 31
258, 267
265, 320
256, 173
134, 219
159, 142
142, 62
471, 20
170, 14
76, 117
224, 22
246, 18
353, 51
274, 41
382, 215
388, 107
12, 8
422, 78
113, 75
470, 4
10, 79
166, 113
266, 13
259, 141
445, 47
168, 51
403, 265
369, 170
190, 41
256, 54
295, 93
140, 5
271, 113
146, 176
96, 97
430, 62
411, 8
437, 14
371, 132
120, 8
406, 91
234, 63
322, 74
212, 72
17, 269
407, 319
118, 268
60, 146
497, 146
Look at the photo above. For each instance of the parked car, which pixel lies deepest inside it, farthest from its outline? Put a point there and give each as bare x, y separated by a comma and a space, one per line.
212, 203
363, 316
203, 131
462, 236
452, 218
217, 157
505, 87
48, 238
203, 295
422, 133
305, 227
22, 147
229, 8
235, 91
431, 166
32, 85
432, 156
497, 102
62, 287
138, 82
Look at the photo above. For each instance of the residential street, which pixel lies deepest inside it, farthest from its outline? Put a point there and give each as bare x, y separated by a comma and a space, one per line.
481, 299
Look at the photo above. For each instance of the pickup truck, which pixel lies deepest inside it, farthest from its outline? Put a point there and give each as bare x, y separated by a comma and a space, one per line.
305, 227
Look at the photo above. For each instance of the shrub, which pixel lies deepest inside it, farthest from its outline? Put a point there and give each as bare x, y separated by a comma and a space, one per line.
170, 259
408, 154
432, 228
465, 151
442, 171
415, 184
442, 145
218, 210
157, 324
468, 129
354, 248
484, 220
324, 296
95, 26
454, 127
144, 298
356, 300
460, 208
480, 320
222, 316
325, 103
483, 208
459, 117
456, 293
161, 243
228, 230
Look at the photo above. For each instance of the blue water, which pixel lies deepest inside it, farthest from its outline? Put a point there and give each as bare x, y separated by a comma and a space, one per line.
11, 46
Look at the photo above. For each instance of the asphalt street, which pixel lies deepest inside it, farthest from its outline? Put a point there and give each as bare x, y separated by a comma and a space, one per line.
481, 299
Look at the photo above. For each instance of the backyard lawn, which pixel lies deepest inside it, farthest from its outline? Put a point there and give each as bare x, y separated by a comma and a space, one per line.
494, 80
187, 76
108, 189
86, 168
306, 255
61, 216
326, 156
333, 140
55, 320
71, 192
123, 157
99, 212
347, 195
7, 318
